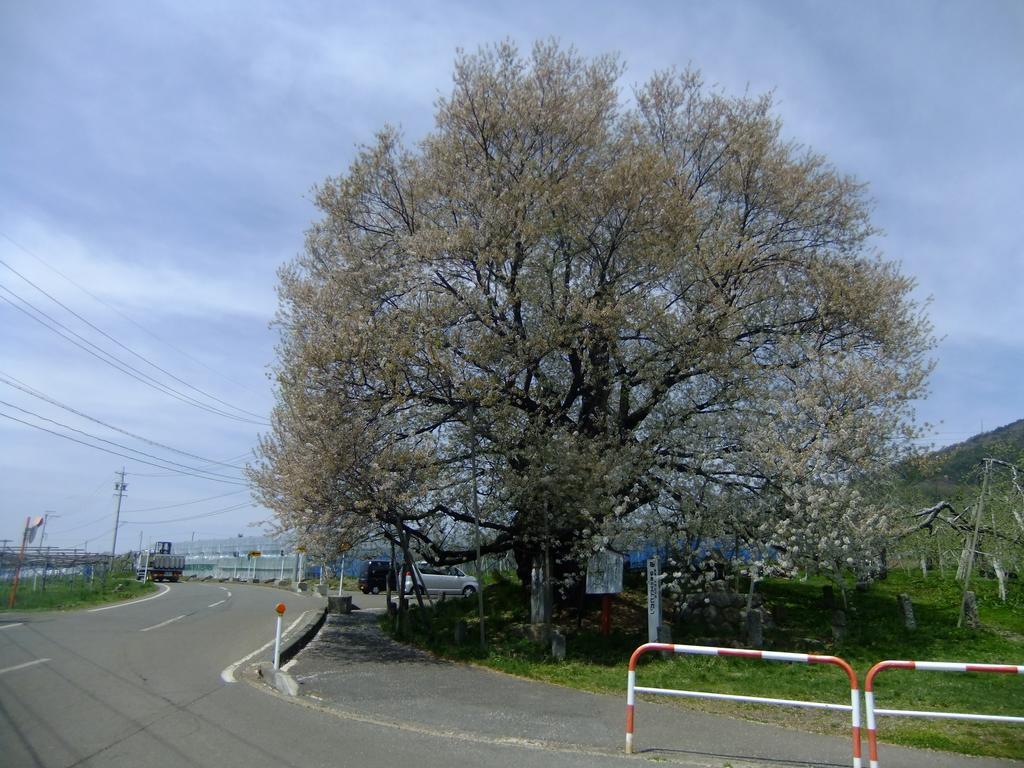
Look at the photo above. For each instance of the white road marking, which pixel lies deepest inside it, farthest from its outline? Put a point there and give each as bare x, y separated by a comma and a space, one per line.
164, 587
163, 623
227, 590
22, 666
289, 665
228, 675
214, 605
8, 626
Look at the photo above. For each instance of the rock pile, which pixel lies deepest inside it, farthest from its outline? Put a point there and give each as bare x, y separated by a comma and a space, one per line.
719, 613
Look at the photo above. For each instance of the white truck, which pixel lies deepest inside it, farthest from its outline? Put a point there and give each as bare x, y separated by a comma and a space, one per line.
159, 564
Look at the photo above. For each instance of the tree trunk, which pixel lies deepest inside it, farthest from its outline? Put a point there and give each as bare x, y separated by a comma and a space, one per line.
1001, 578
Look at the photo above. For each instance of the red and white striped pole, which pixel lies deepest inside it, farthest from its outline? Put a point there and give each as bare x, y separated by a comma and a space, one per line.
703, 650
928, 666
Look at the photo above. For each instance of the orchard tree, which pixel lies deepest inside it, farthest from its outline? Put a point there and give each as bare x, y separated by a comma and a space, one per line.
639, 316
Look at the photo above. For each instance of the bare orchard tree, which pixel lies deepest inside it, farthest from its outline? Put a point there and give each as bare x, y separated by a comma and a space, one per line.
990, 530
655, 307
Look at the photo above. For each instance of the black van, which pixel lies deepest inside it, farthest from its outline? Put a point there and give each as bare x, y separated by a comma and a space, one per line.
374, 576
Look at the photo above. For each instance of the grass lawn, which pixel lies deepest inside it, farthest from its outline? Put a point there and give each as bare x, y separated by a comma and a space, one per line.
59, 595
874, 632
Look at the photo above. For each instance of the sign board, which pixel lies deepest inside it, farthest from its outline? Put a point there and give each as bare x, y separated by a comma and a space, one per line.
604, 574
255, 553
653, 599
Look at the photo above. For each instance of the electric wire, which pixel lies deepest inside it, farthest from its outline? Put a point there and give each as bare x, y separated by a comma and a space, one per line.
129, 349
212, 513
116, 453
184, 503
10, 381
109, 442
114, 309
103, 356
228, 461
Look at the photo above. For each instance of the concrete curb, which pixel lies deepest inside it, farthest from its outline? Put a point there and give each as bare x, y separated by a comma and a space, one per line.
290, 647
302, 637
282, 681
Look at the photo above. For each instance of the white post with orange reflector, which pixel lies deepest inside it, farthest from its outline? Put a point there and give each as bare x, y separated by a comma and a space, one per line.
277, 636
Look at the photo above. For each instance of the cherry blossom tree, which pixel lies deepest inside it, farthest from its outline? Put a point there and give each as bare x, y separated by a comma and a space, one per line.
634, 315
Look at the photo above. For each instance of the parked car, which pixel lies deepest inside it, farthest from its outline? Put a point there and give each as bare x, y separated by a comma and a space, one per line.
440, 580
374, 576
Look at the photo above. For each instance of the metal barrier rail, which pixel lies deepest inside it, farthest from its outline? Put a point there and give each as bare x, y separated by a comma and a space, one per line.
703, 650
931, 666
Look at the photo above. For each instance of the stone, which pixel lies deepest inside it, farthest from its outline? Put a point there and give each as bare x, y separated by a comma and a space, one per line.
755, 629
971, 610
339, 603
838, 626
557, 646
907, 611
720, 599
538, 634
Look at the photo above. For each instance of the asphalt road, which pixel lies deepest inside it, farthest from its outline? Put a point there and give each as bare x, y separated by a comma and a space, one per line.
168, 681
145, 684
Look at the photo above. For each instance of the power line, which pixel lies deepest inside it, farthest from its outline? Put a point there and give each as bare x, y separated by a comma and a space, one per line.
213, 513
104, 440
116, 453
113, 308
184, 503
109, 359
226, 461
10, 381
125, 347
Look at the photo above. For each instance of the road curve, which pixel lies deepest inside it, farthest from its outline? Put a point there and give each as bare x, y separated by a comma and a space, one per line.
141, 685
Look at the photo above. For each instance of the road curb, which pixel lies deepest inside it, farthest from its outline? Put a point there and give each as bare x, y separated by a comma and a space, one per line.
301, 639
276, 678
282, 681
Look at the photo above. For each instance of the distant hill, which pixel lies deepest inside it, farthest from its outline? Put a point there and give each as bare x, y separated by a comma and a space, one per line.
957, 468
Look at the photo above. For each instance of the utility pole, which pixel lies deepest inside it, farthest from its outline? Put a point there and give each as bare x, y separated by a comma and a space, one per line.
46, 516
120, 487
17, 570
46, 564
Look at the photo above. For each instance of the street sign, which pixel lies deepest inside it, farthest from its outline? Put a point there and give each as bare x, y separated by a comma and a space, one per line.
653, 599
255, 553
604, 574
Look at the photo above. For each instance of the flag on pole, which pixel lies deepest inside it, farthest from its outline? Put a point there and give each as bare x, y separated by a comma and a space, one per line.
33, 524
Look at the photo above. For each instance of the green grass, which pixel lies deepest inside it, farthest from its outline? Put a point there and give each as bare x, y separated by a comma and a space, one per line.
874, 632
62, 596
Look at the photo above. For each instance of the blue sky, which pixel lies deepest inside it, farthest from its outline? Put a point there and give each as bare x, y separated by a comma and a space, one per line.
156, 162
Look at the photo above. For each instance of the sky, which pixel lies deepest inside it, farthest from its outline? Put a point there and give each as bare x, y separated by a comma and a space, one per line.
157, 161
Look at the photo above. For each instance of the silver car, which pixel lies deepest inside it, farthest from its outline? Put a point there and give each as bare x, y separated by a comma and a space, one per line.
439, 580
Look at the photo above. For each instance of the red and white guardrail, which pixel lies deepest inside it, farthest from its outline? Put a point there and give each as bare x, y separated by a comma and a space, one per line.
703, 650
932, 666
